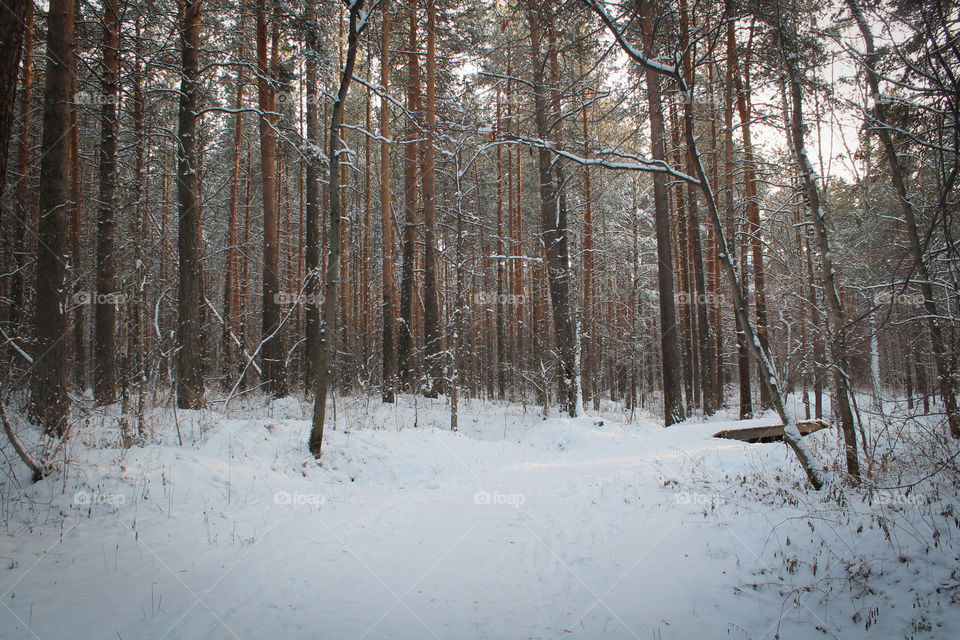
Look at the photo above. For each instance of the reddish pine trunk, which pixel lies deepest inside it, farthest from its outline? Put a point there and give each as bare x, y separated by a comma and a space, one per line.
410, 155
272, 350
432, 331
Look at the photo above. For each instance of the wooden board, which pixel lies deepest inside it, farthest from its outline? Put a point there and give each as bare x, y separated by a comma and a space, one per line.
770, 433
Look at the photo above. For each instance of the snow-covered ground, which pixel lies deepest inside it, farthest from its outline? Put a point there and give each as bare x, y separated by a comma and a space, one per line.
513, 527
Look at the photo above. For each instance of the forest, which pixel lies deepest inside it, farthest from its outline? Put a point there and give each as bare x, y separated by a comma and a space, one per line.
313, 263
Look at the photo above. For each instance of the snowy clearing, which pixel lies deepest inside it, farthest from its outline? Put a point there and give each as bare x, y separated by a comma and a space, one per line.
513, 527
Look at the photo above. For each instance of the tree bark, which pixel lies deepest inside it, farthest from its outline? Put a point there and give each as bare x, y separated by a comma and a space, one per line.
22, 214
49, 403
272, 350
12, 25
313, 208
405, 334
190, 304
105, 304
389, 301
432, 332
705, 360
230, 287
672, 397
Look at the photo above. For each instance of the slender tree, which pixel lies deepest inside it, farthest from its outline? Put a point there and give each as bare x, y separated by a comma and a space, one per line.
105, 304
358, 21
389, 294
431, 297
411, 154
313, 205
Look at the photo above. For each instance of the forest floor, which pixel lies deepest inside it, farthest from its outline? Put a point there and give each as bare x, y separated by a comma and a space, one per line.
513, 527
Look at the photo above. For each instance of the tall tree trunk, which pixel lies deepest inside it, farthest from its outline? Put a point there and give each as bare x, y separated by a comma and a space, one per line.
16, 25
672, 397
410, 156
336, 149
81, 296
139, 228
500, 321
699, 308
590, 334
389, 301
12, 25
313, 210
230, 288
190, 304
881, 127
105, 309
273, 353
22, 215
432, 332
49, 403
753, 216
743, 352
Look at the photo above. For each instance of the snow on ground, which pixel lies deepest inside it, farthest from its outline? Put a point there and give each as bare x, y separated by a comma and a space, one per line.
513, 527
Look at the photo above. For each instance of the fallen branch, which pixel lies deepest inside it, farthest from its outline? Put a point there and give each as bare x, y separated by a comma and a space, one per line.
39, 470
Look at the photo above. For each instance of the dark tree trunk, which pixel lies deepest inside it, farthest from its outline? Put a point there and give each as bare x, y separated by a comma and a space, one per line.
190, 304
230, 286
432, 333
12, 25
410, 156
105, 304
17, 311
313, 207
328, 328
701, 300
672, 397
273, 353
386, 222
49, 403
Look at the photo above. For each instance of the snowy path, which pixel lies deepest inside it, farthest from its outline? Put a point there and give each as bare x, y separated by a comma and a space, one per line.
561, 530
